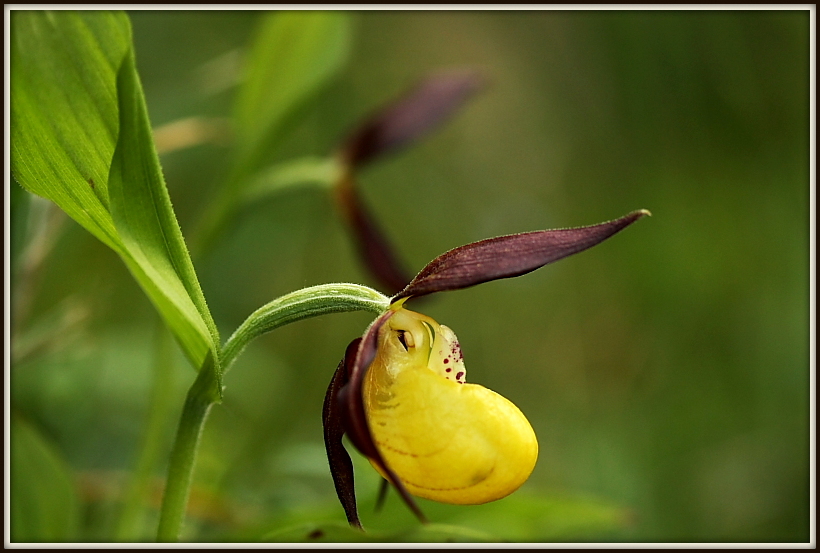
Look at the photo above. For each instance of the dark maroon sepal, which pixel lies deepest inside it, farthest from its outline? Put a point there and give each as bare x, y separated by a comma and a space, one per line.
419, 112
358, 429
344, 413
341, 467
508, 256
373, 247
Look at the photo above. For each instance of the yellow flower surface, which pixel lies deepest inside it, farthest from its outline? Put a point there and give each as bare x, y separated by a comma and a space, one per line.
447, 440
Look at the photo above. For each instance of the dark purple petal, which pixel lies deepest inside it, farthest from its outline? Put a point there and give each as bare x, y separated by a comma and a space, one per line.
374, 249
508, 256
352, 400
419, 112
341, 467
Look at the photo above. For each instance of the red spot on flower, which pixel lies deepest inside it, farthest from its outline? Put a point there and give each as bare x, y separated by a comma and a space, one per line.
448, 369
446, 360
459, 375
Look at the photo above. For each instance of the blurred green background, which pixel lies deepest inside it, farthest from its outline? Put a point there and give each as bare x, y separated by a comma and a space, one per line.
665, 372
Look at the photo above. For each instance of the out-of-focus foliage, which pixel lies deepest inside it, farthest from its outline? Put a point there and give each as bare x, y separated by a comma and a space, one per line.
45, 508
290, 58
666, 373
293, 55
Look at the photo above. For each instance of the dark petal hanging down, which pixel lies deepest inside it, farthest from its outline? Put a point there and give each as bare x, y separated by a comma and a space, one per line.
372, 244
419, 112
352, 401
341, 467
509, 256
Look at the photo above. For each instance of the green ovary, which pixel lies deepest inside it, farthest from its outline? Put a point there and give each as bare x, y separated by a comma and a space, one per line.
446, 440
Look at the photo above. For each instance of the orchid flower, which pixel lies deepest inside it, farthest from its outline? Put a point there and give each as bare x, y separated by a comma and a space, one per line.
401, 395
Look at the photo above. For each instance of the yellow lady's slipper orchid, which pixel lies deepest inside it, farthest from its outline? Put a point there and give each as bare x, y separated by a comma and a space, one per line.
446, 440
401, 395
400, 392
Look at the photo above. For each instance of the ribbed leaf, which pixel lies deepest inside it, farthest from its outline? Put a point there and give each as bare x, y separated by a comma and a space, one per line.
64, 120
145, 220
81, 138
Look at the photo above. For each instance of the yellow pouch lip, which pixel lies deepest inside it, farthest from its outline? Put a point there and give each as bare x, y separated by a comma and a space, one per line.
447, 441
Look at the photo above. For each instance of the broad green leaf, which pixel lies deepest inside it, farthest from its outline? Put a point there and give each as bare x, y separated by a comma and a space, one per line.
81, 138
44, 503
145, 220
293, 56
64, 120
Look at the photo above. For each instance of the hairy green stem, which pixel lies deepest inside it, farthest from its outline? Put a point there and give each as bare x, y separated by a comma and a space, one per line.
302, 304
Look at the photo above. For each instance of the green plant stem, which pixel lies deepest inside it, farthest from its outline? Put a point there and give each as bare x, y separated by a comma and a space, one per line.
201, 396
302, 304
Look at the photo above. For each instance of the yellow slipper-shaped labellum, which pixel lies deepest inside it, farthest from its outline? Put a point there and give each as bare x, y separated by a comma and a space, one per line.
446, 440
